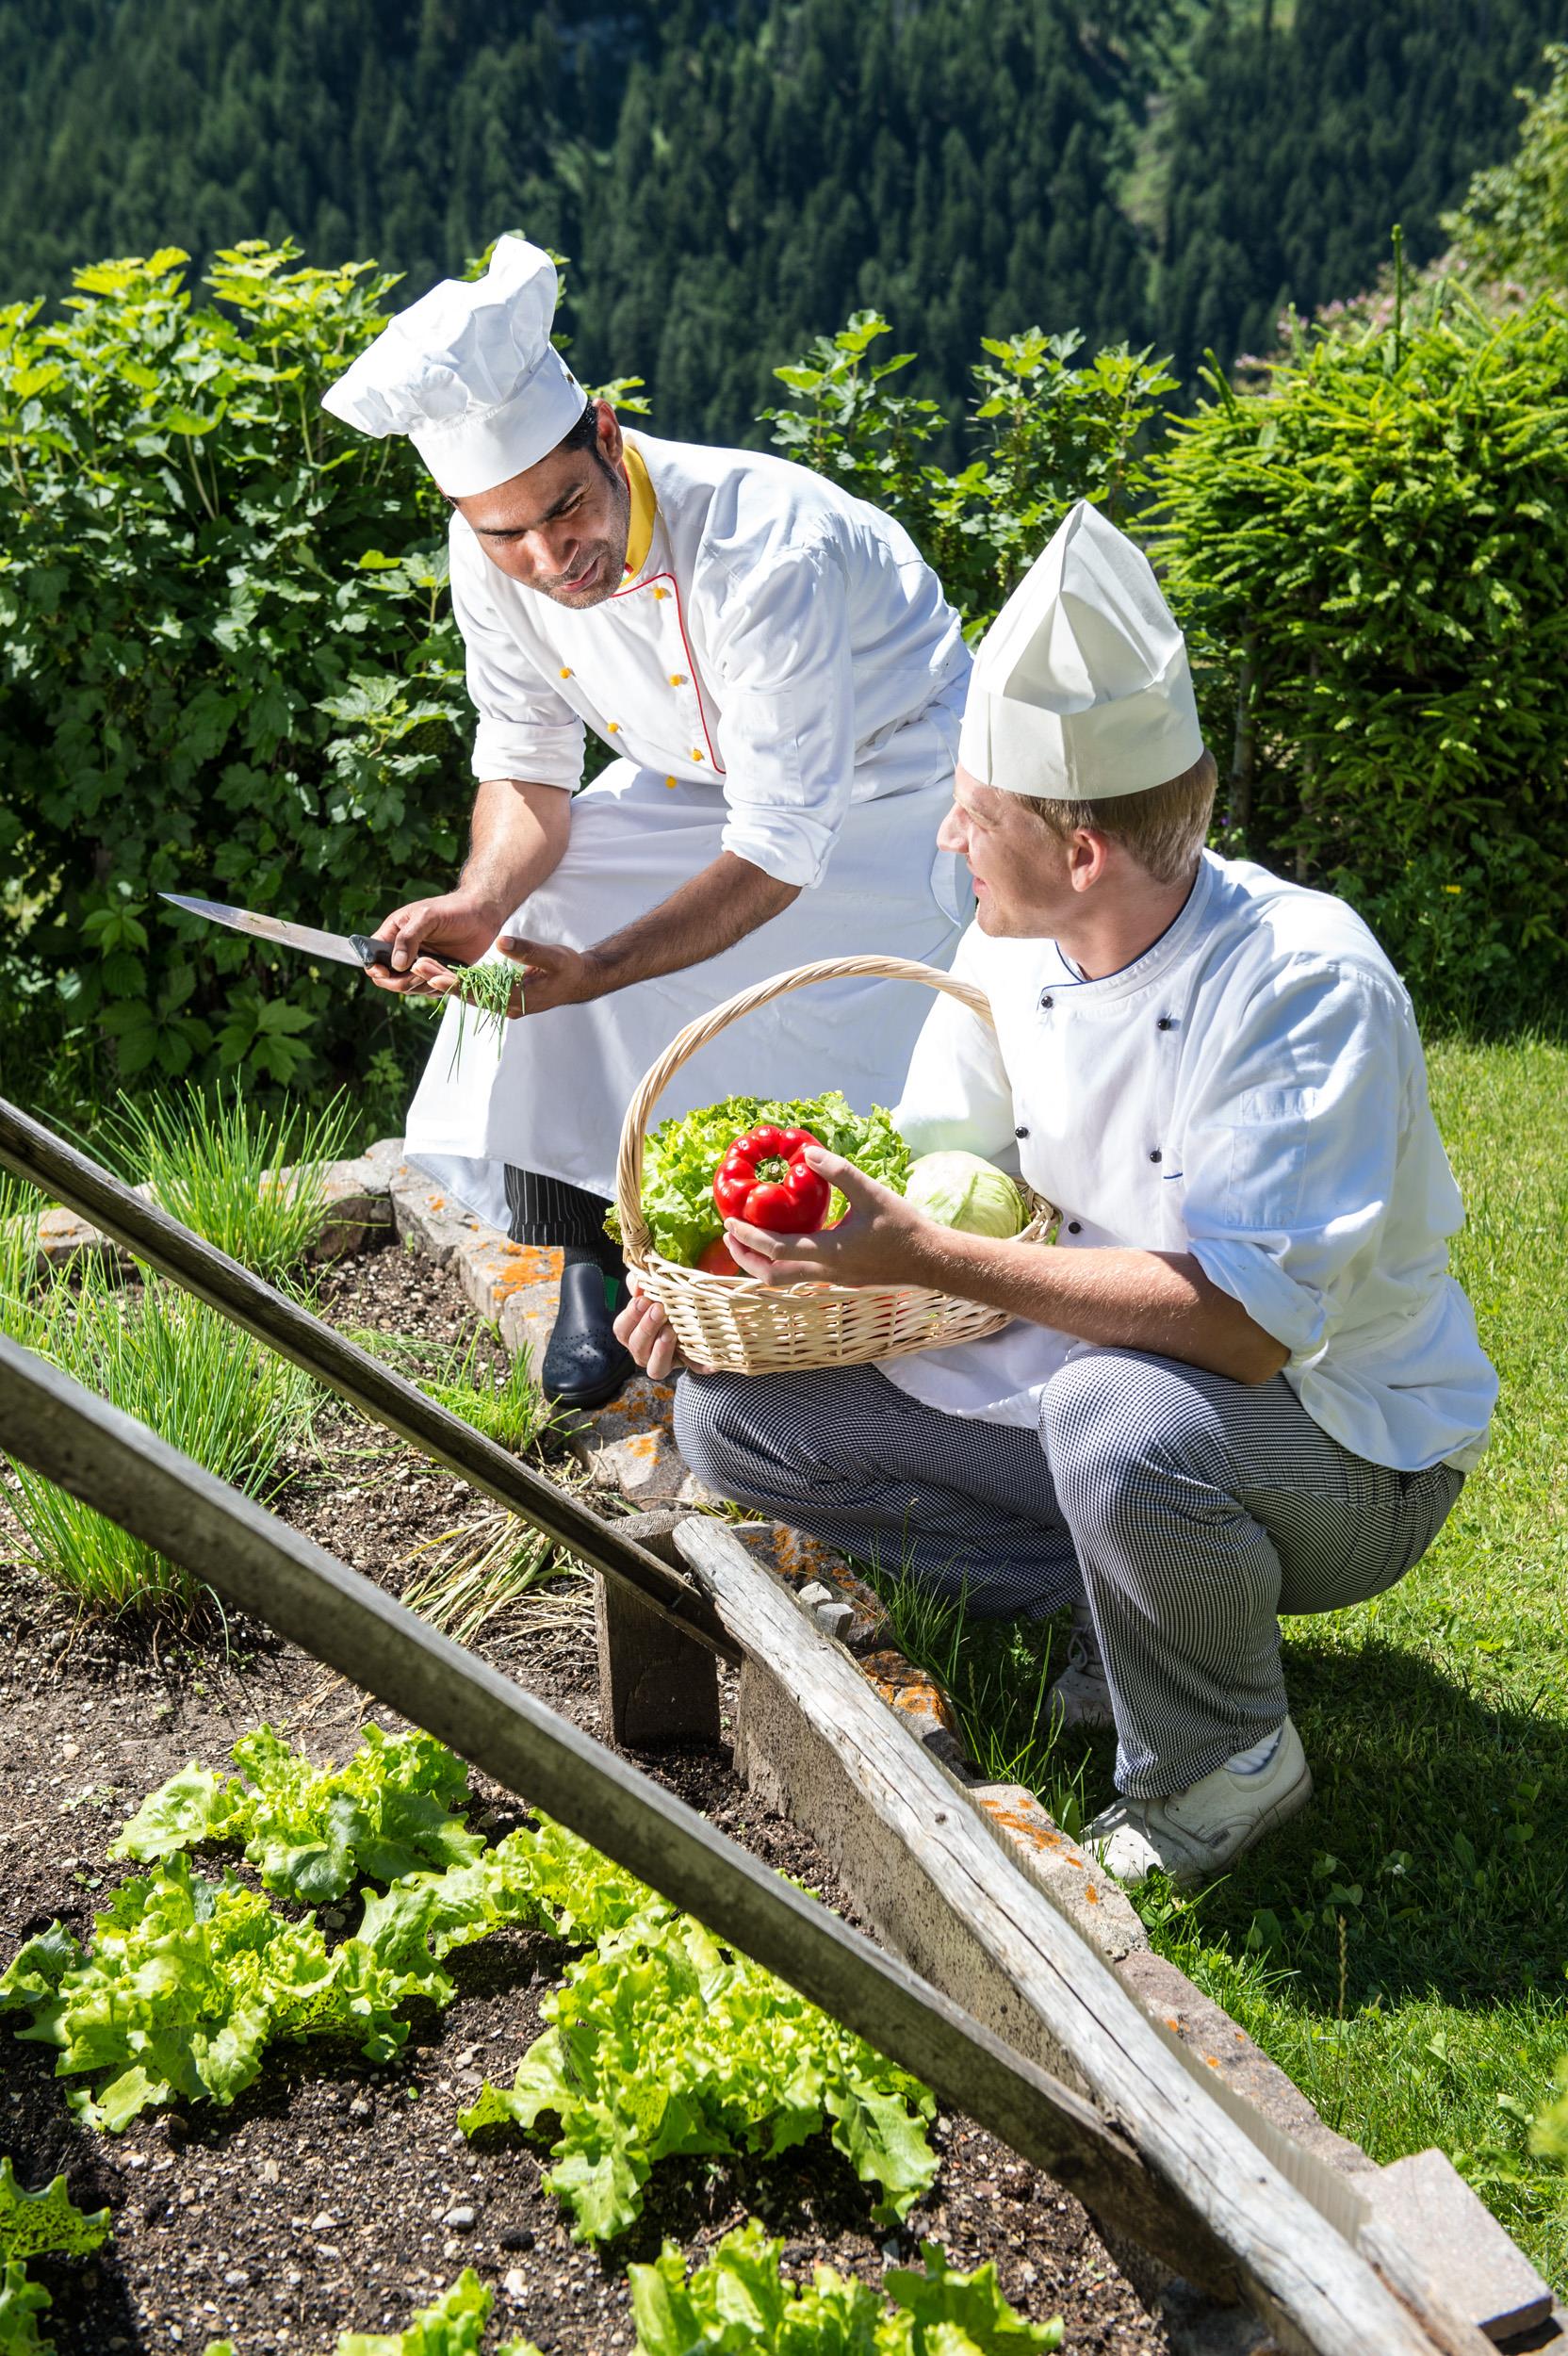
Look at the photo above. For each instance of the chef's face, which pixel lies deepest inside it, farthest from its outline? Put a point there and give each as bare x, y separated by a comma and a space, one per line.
1027, 880
561, 527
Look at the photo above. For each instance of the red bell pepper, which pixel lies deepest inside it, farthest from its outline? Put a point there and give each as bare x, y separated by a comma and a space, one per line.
764, 1180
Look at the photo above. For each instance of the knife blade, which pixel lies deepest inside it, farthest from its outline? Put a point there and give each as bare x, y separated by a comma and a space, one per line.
344, 948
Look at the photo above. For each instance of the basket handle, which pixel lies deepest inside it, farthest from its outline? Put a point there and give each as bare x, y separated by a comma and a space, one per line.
635, 1235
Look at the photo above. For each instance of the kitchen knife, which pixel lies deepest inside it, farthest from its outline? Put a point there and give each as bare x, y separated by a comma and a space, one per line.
345, 948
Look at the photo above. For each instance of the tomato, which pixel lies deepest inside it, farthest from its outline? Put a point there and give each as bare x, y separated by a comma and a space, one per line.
716, 1259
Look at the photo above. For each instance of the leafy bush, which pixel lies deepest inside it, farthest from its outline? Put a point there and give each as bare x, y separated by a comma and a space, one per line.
226, 660
1046, 433
1369, 556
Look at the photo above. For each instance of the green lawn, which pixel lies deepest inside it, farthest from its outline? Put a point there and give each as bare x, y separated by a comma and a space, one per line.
1400, 1949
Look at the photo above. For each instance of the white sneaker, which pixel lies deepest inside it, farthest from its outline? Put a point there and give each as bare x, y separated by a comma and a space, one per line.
1081, 1696
1194, 1834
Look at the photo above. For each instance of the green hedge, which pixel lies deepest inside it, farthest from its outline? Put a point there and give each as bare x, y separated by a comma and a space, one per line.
227, 664
227, 660
1370, 556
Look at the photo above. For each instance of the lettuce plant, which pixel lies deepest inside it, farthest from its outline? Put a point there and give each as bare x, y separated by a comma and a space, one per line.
35, 2224
738, 2304
661, 2040
312, 1832
452, 2325
664, 2043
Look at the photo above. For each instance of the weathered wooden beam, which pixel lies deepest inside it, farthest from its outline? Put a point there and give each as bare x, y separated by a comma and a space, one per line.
31, 1151
115, 1465
1302, 2271
656, 1684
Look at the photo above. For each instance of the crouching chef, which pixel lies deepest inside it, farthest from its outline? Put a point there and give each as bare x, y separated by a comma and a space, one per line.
1242, 1383
782, 680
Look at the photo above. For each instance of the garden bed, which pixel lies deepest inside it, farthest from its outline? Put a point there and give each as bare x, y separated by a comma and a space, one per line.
334, 2195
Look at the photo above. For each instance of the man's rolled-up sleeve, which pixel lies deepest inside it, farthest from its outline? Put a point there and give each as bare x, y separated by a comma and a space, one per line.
787, 740
1290, 1150
526, 729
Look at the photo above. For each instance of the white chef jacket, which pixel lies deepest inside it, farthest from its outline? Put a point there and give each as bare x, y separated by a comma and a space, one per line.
1251, 1091
784, 680
780, 637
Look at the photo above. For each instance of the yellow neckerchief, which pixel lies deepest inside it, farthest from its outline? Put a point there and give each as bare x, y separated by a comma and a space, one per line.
643, 506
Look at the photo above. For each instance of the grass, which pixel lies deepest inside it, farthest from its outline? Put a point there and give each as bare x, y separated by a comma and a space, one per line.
1401, 1948
218, 1165
181, 1368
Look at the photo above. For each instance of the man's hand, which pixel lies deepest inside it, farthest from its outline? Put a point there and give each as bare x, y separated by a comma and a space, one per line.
643, 1328
881, 1240
459, 921
552, 975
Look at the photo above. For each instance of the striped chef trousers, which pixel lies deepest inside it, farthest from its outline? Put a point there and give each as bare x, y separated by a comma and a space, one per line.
1189, 1512
548, 1211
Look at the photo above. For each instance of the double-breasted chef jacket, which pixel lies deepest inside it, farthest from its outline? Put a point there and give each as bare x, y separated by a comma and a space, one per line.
780, 675
1251, 1091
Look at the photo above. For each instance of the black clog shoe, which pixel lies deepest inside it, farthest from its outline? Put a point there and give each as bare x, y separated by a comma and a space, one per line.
584, 1365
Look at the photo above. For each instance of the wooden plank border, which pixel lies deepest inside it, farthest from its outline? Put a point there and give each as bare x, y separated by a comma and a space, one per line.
1303, 2270
31, 1151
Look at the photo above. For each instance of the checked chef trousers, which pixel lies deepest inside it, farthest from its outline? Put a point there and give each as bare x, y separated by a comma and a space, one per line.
1189, 1512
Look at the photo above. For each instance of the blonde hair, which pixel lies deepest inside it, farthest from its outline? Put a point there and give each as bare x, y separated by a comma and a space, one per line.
1163, 828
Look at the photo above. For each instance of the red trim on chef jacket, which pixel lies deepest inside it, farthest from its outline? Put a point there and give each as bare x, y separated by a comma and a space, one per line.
647, 582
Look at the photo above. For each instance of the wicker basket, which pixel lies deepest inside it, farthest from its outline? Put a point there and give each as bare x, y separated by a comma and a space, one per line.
742, 1326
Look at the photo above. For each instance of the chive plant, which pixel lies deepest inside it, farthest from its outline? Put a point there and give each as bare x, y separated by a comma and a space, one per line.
181, 1368
20, 1279
484, 996
251, 1182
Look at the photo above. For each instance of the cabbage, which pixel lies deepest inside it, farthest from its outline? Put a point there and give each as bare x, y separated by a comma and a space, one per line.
961, 1190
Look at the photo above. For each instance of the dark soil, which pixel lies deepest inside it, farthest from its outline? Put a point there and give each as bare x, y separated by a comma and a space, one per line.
333, 2195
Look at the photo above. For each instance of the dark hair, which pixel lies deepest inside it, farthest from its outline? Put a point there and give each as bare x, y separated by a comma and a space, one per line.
584, 433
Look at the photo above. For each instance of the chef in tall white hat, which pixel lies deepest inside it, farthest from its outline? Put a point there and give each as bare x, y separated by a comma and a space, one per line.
781, 680
1240, 1382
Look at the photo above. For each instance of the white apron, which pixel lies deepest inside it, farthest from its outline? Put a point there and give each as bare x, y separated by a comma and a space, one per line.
550, 1096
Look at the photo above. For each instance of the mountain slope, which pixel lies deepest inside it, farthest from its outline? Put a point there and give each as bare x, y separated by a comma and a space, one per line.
733, 178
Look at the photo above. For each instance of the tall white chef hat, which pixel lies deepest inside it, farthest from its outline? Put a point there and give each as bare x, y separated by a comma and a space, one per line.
469, 374
1080, 689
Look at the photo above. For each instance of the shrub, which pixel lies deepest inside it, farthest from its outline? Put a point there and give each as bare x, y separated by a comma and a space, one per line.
1369, 555
1046, 433
1514, 224
226, 660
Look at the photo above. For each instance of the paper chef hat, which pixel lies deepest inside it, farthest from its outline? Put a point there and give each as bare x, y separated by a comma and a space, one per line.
1080, 689
469, 374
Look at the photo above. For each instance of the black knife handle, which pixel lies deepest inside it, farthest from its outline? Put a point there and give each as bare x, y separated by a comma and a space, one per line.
379, 953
